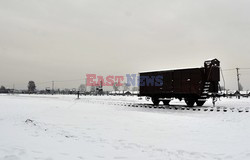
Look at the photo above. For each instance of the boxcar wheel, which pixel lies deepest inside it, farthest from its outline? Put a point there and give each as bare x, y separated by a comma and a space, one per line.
155, 101
200, 103
190, 102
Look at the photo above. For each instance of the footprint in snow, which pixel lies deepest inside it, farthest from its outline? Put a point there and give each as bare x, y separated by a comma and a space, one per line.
10, 157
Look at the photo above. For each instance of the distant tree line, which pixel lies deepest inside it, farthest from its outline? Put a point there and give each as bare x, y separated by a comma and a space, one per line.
93, 90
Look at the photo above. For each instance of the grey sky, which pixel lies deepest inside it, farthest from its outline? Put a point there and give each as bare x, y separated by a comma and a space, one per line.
44, 40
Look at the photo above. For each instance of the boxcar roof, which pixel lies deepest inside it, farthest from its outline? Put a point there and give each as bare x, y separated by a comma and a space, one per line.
165, 70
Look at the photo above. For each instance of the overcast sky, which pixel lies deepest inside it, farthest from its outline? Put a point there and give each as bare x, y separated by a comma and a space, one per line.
45, 40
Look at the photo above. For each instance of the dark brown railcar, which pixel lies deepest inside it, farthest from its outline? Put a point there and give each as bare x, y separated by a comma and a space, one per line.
194, 85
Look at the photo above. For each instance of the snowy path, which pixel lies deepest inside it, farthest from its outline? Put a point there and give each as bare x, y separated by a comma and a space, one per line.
60, 127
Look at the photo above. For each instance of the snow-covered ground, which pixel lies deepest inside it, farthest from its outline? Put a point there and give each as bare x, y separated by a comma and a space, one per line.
62, 128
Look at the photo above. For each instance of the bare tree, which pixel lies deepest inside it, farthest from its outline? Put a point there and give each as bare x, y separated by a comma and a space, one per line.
126, 87
116, 87
3, 89
31, 86
82, 88
93, 89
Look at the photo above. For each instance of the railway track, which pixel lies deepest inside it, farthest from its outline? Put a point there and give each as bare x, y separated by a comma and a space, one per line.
169, 107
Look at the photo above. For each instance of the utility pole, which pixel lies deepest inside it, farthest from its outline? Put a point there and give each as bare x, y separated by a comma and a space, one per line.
13, 88
52, 90
238, 81
86, 84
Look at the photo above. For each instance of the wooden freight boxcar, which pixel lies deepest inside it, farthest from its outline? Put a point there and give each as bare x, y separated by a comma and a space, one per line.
194, 85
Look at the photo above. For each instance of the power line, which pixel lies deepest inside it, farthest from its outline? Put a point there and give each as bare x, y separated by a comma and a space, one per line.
238, 74
72, 80
231, 69
244, 68
43, 82
228, 69
46, 82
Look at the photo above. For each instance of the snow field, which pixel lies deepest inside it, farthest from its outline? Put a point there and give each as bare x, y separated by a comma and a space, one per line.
61, 127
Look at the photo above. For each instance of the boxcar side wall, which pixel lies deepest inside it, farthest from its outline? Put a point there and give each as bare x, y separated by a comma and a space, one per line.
148, 84
194, 85
176, 83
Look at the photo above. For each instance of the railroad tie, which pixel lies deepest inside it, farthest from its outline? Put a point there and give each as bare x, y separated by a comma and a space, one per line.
208, 109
